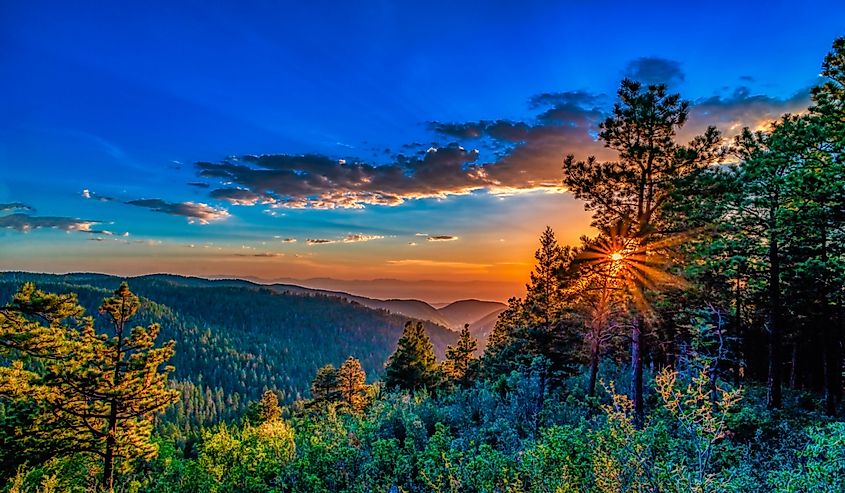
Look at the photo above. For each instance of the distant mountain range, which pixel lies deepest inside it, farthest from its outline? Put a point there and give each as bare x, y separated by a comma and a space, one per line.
480, 315
436, 293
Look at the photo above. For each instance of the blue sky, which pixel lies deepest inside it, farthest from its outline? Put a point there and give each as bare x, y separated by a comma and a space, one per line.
391, 101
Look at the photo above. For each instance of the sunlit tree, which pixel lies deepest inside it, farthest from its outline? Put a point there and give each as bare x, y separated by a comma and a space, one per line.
269, 406
98, 391
634, 189
351, 383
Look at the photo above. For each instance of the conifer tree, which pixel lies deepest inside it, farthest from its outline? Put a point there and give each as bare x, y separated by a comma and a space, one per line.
269, 407
537, 326
506, 343
828, 113
98, 393
351, 385
413, 366
324, 387
544, 298
460, 364
635, 188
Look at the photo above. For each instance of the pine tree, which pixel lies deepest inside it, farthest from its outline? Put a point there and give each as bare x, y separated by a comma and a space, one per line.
507, 343
635, 188
539, 325
413, 366
98, 393
324, 387
460, 365
269, 407
828, 111
351, 380
544, 297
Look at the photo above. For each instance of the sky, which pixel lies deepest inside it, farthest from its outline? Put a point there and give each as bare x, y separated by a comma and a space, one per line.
353, 141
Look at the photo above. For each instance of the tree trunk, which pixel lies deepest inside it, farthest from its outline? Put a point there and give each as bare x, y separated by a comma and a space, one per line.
739, 357
111, 443
111, 438
793, 367
829, 352
773, 383
828, 365
594, 368
637, 370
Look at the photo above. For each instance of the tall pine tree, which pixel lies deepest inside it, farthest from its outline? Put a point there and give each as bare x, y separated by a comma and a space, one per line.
460, 365
413, 366
98, 392
635, 188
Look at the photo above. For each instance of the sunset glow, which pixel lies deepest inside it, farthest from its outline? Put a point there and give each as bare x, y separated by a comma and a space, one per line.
303, 152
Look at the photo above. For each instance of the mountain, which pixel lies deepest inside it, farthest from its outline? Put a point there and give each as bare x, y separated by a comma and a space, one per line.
417, 309
235, 338
482, 328
429, 291
468, 311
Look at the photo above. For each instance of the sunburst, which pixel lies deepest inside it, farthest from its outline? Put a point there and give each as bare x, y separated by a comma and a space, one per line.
630, 260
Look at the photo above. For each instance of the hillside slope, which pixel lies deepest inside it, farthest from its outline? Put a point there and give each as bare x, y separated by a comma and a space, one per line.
481, 329
468, 311
235, 338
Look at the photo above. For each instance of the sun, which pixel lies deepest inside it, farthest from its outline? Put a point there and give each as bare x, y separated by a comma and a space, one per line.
616, 256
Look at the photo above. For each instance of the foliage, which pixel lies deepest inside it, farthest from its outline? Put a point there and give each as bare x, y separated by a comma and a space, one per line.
413, 366
91, 393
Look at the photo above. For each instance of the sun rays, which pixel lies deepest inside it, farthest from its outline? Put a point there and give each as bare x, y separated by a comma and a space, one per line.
632, 261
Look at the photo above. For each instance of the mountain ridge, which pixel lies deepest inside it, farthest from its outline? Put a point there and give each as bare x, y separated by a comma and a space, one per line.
452, 315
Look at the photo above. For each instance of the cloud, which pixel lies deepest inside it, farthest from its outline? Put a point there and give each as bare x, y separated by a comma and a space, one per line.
195, 212
88, 194
316, 181
25, 223
742, 108
260, 255
199, 184
438, 263
357, 238
285, 240
15, 206
520, 157
496, 156
240, 196
441, 238
654, 70
350, 238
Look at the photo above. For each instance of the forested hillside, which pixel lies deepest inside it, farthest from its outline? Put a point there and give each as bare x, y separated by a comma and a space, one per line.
235, 339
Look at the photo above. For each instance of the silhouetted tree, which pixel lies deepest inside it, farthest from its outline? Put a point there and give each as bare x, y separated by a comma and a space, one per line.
635, 188
324, 387
460, 365
413, 366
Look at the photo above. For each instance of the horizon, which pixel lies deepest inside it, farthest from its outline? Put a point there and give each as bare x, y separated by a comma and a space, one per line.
294, 150
369, 289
